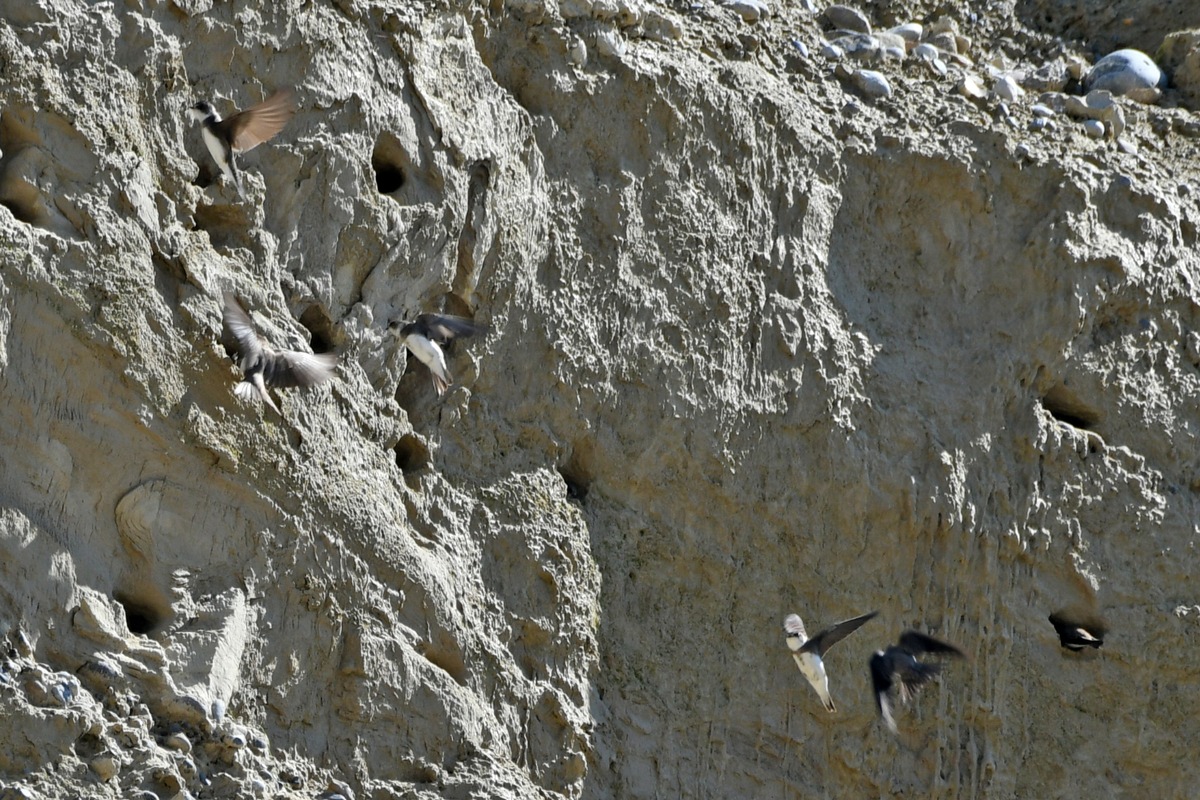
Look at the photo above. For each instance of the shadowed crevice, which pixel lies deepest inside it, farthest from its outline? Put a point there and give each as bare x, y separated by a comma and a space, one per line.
144, 613
1066, 407
321, 328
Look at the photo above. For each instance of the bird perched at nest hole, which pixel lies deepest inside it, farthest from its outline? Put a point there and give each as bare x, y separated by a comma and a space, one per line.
425, 337
1077, 631
262, 366
809, 653
898, 667
242, 131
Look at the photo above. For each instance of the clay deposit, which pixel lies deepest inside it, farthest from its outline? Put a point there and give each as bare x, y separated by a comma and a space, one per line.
764, 338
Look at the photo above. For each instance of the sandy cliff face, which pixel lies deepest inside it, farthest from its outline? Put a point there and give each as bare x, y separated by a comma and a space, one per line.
758, 345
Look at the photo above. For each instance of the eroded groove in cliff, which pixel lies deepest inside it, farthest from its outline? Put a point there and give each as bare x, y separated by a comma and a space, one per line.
466, 274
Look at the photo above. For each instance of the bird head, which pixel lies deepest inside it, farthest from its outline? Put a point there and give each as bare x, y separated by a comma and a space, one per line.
201, 111
793, 629
396, 327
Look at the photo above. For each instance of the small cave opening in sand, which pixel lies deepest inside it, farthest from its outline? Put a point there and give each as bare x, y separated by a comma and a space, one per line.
388, 160
17, 193
320, 326
576, 472
144, 614
411, 454
1066, 407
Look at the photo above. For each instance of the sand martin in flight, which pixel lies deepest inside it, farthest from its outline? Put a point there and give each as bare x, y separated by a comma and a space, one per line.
243, 131
898, 667
425, 337
261, 366
809, 652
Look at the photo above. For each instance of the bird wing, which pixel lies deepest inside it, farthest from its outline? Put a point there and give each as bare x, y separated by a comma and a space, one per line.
293, 368
881, 682
916, 643
443, 327
913, 675
251, 127
830, 636
1089, 623
794, 626
241, 327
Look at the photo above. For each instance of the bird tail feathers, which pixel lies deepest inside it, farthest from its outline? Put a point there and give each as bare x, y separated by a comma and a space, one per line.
918, 675
246, 391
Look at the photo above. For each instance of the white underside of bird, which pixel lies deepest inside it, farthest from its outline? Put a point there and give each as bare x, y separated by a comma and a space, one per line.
431, 356
813, 669
221, 155
254, 388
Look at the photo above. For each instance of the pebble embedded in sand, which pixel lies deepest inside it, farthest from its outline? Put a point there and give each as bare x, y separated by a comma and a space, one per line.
832, 52
168, 779
971, 86
1007, 89
748, 10
105, 766
931, 56
910, 32
892, 45
848, 19
1094, 105
577, 52
187, 768
871, 83
610, 44
1093, 128
1124, 72
943, 41
179, 742
235, 738
859, 46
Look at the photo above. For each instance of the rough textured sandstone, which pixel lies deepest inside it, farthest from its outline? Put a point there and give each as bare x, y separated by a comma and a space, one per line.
757, 346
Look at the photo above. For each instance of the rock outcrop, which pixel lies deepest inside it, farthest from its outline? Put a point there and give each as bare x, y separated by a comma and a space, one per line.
759, 343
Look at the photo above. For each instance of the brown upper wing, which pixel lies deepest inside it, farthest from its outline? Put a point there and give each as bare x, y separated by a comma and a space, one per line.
292, 368
444, 327
831, 636
916, 643
239, 325
249, 128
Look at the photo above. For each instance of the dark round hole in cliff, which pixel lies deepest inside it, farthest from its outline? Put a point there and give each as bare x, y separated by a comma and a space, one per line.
17, 194
388, 177
225, 224
411, 454
387, 160
318, 323
1066, 407
576, 472
21, 210
206, 175
577, 488
143, 616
